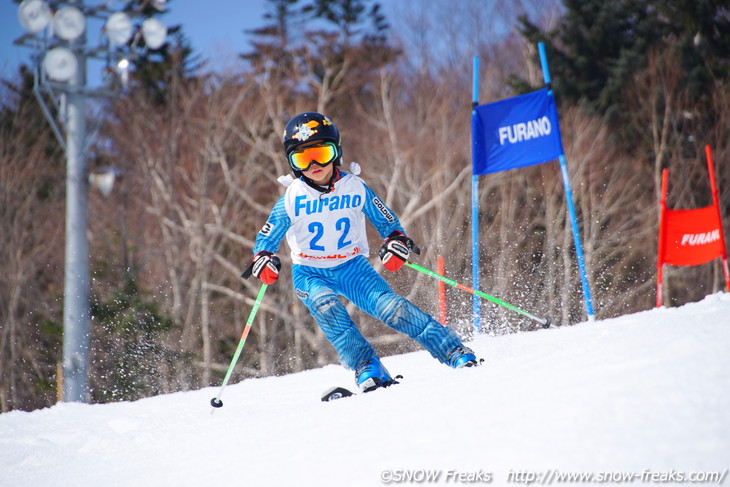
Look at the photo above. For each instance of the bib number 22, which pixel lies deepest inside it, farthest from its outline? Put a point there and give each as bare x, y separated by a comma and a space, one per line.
317, 228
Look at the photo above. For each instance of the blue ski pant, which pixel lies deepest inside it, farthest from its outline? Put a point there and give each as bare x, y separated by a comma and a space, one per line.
358, 282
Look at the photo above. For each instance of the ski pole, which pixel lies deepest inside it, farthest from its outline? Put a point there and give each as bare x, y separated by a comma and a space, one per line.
545, 322
216, 401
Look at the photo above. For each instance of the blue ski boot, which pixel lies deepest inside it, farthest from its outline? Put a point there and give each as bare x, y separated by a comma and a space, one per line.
371, 375
462, 357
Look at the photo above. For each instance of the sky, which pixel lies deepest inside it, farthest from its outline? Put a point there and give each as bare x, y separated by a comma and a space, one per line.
640, 399
214, 27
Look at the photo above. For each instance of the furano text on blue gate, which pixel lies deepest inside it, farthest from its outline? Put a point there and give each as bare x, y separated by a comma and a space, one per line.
520, 132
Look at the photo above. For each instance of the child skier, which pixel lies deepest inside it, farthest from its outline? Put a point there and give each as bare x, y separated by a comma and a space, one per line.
322, 214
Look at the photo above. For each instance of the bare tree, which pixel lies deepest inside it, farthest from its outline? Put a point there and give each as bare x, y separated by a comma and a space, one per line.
31, 205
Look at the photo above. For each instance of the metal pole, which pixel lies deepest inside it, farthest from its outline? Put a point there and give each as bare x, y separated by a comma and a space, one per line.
76, 286
42, 38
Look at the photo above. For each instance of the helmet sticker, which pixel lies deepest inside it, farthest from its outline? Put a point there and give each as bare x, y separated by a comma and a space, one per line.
305, 131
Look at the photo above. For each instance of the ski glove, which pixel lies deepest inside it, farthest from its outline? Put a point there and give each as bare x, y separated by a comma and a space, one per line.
395, 250
266, 266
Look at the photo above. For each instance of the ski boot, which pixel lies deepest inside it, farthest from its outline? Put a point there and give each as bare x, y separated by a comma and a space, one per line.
462, 357
371, 375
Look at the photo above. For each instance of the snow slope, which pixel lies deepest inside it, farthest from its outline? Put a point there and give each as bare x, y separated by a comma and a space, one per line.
648, 392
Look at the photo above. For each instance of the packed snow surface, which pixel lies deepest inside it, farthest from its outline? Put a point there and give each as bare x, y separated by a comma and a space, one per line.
646, 394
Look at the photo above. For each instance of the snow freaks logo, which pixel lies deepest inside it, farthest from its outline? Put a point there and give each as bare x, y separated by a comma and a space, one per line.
521, 132
422, 476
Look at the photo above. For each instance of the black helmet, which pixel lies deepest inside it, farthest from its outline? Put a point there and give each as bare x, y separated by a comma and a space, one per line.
307, 127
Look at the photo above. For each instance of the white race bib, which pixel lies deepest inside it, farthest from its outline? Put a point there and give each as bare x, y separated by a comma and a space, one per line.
327, 229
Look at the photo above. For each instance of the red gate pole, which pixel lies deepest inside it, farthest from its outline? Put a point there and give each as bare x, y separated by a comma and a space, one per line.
442, 292
716, 202
662, 243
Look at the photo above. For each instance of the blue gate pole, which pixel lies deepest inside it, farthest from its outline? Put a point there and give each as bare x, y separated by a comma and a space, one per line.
569, 197
475, 206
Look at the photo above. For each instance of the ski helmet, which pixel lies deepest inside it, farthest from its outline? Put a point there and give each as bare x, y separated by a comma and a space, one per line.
308, 127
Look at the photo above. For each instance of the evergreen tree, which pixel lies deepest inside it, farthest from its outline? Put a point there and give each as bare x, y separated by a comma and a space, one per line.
359, 31
271, 43
155, 69
330, 43
175, 60
701, 36
129, 341
598, 46
354, 19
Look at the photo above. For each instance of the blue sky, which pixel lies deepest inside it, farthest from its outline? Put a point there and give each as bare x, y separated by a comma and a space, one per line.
215, 28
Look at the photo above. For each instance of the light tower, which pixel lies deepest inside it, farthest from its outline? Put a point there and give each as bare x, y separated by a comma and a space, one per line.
57, 32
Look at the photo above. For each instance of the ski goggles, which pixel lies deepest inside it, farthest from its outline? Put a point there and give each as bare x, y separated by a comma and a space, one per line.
302, 159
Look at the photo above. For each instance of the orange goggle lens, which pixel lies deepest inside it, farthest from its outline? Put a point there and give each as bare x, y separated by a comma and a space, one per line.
321, 155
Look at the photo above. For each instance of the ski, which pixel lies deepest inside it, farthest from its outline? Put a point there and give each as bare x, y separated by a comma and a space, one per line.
338, 392
335, 393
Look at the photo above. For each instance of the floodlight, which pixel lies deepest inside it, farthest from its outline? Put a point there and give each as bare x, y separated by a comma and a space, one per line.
159, 4
123, 70
34, 15
69, 23
118, 28
60, 64
104, 179
154, 33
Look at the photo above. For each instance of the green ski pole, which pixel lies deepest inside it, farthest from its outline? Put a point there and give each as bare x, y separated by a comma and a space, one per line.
216, 401
545, 322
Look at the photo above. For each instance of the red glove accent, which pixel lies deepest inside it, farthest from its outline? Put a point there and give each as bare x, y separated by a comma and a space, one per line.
266, 266
395, 250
